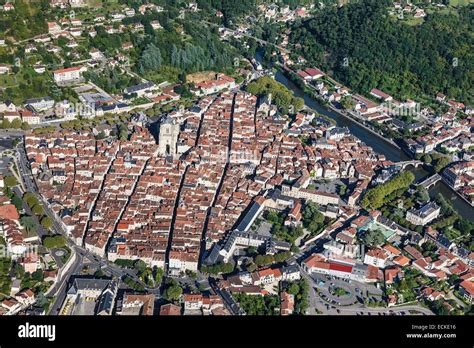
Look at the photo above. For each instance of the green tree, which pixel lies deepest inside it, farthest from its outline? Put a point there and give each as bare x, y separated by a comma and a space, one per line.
29, 223
150, 59
313, 219
30, 199
377, 196
263, 260
17, 202
38, 210
422, 194
37, 275
99, 273
123, 132
56, 241
441, 162
47, 222
10, 181
16, 123
158, 272
173, 292
426, 158
411, 60
294, 289
140, 266
373, 238
218, 268
347, 103
6, 124
281, 95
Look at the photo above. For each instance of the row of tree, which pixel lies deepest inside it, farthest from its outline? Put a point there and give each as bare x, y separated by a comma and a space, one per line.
218, 268
281, 95
377, 196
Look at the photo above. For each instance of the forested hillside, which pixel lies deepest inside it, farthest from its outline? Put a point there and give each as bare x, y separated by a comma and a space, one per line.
26, 21
406, 61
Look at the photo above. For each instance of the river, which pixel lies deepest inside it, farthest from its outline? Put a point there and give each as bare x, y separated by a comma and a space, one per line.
380, 145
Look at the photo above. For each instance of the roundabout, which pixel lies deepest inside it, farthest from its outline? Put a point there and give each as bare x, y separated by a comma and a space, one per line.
335, 291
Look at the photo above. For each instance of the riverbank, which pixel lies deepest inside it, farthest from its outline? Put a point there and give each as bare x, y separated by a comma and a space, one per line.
377, 142
355, 119
459, 194
285, 70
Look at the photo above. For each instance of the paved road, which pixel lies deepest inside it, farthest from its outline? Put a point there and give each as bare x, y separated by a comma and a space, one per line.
84, 257
11, 133
404, 310
59, 290
457, 300
231, 305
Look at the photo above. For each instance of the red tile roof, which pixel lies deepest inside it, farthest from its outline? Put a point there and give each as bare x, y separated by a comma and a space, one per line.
339, 267
468, 286
9, 212
61, 71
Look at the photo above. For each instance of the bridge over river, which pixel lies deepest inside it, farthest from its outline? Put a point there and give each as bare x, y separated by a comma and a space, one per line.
430, 181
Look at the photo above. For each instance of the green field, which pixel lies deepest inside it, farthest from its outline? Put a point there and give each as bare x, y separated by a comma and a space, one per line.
413, 21
460, 2
25, 84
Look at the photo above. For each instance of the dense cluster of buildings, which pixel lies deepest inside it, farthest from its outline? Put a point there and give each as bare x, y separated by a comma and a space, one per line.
260, 282
283, 13
387, 263
460, 176
210, 172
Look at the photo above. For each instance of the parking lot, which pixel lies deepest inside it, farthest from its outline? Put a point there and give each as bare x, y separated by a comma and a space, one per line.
324, 301
328, 286
355, 292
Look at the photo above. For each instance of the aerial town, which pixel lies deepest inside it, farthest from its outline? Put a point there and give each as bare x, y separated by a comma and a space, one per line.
163, 159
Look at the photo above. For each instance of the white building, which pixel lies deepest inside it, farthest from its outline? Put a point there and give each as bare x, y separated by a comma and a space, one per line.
4, 69
25, 297
424, 215
213, 86
31, 119
68, 74
53, 28
40, 104
318, 197
182, 261
376, 257
142, 89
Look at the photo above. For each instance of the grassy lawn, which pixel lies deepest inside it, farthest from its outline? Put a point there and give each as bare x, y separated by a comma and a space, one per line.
339, 292
413, 21
165, 73
460, 2
8, 80
98, 3
110, 5
445, 11
26, 84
